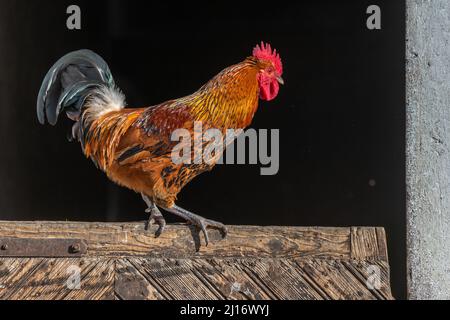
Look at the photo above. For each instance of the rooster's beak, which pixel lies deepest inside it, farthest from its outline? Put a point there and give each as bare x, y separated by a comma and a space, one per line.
280, 80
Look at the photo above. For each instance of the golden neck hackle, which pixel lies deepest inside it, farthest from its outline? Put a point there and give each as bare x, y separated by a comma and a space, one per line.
230, 99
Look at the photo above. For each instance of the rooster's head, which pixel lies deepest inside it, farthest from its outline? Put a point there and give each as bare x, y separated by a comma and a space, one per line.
269, 77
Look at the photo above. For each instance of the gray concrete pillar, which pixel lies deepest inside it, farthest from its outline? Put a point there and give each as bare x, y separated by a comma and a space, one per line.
428, 148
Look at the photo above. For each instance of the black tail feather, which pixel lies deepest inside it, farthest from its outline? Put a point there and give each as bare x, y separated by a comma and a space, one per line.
68, 83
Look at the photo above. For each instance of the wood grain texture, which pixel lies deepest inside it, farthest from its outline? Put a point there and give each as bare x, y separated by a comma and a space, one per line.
124, 262
180, 241
368, 243
51, 279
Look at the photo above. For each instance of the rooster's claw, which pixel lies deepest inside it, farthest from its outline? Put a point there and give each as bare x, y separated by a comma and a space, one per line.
199, 222
159, 220
156, 217
203, 224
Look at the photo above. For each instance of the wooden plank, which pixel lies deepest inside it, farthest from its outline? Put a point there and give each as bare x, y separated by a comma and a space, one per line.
56, 279
228, 278
375, 274
339, 282
366, 244
97, 280
14, 274
175, 278
382, 244
130, 284
280, 277
130, 239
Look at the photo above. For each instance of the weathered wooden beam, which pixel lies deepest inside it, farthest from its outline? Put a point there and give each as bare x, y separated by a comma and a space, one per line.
180, 241
123, 261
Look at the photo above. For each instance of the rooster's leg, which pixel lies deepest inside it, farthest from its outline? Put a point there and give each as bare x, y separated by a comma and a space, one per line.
155, 215
199, 221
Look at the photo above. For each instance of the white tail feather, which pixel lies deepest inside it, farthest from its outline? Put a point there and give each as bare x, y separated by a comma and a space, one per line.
104, 100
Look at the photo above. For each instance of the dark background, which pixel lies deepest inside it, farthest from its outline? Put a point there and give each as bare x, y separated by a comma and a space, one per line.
341, 113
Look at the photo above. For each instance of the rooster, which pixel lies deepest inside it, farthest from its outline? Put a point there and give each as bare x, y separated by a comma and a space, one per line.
133, 146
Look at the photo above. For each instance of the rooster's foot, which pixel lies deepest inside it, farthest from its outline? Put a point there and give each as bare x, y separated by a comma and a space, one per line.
199, 222
155, 217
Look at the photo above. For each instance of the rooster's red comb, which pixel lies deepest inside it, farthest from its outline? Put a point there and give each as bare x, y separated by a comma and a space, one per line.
264, 52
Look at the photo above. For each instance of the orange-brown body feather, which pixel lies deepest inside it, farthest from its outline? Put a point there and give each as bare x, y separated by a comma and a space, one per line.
133, 146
